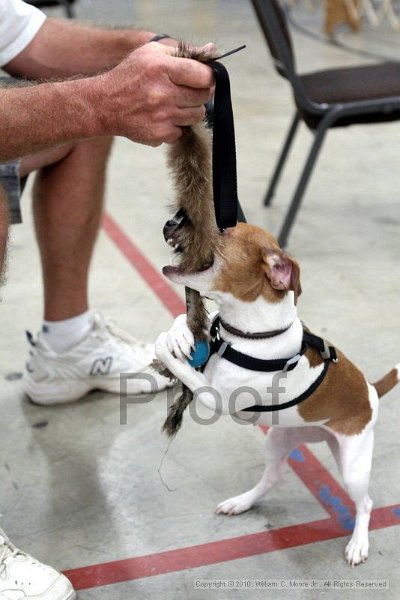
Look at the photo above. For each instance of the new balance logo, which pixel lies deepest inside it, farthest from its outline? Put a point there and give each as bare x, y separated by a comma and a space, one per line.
101, 366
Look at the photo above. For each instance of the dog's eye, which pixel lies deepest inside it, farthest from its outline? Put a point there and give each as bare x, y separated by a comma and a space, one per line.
206, 266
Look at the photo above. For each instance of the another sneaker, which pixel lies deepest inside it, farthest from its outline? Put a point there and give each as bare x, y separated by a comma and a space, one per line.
95, 363
22, 577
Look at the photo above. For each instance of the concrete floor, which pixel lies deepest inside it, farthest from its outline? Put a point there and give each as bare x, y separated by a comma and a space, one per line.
79, 490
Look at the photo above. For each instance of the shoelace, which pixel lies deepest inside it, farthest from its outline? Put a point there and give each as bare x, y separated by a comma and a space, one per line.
102, 323
7, 550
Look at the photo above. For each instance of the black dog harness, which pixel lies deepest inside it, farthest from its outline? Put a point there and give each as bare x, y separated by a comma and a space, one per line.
224, 350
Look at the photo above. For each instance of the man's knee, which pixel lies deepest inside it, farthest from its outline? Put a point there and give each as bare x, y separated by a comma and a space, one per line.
44, 158
106, 142
96, 147
88, 152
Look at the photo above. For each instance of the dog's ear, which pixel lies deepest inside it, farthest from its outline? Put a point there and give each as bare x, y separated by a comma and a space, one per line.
282, 271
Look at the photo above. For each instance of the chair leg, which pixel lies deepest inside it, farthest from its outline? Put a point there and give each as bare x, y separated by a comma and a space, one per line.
282, 160
69, 10
301, 186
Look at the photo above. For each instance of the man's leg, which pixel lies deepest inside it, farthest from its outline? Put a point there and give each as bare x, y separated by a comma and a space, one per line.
67, 206
77, 350
20, 573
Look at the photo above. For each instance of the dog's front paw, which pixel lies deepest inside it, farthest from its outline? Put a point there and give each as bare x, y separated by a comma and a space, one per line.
357, 550
165, 349
162, 350
236, 505
180, 339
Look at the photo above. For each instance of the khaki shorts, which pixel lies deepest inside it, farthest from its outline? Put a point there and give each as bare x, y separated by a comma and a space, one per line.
10, 181
9, 173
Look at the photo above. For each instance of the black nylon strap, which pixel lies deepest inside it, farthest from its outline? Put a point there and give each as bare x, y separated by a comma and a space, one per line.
327, 352
301, 398
224, 350
250, 362
224, 153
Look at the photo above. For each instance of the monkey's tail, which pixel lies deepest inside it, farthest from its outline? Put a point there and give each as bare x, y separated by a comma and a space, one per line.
190, 163
191, 167
174, 419
190, 158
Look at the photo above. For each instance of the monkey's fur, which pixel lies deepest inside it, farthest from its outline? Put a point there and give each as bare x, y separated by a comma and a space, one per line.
197, 240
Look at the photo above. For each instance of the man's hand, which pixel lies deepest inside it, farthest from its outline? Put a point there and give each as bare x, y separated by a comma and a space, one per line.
151, 94
148, 98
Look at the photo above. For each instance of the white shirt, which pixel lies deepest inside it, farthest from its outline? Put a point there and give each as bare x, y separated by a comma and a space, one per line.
19, 23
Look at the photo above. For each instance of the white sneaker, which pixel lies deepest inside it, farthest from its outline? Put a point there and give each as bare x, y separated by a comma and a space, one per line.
22, 577
95, 363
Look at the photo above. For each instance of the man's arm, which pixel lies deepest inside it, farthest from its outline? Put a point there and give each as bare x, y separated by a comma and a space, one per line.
43, 116
147, 97
62, 48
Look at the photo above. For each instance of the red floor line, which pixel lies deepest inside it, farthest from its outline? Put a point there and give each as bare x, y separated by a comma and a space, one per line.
204, 554
212, 553
154, 279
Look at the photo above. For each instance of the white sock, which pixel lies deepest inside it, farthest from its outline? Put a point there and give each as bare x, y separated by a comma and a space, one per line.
61, 336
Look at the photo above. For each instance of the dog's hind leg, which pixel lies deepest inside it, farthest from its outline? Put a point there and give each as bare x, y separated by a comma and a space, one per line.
354, 457
279, 443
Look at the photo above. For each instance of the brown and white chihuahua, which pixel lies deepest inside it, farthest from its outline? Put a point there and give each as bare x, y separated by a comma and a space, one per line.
317, 393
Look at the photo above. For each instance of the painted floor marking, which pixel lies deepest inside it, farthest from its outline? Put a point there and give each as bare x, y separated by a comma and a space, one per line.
244, 546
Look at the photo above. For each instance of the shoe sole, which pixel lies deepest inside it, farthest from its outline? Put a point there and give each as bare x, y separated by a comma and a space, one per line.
46, 394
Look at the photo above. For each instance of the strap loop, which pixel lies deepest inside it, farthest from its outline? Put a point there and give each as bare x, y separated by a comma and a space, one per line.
226, 201
292, 361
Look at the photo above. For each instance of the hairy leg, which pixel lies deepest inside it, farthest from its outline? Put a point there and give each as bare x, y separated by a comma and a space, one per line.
67, 206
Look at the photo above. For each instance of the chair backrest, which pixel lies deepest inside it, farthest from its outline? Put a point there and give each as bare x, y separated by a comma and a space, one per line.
66, 4
272, 19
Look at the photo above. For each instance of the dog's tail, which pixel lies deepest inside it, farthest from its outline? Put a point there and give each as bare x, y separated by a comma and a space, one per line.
388, 382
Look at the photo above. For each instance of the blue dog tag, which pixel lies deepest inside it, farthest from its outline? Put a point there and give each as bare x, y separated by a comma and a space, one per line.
200, 354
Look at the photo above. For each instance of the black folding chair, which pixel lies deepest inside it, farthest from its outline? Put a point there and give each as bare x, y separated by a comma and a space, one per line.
324, 99
66, 4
